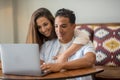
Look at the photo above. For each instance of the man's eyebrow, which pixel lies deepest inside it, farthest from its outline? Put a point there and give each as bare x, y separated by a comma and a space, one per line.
64, 24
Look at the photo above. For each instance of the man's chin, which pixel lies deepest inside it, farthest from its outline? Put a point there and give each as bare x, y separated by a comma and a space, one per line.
60, 38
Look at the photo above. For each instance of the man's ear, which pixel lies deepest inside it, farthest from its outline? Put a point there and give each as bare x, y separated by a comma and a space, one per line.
74, 25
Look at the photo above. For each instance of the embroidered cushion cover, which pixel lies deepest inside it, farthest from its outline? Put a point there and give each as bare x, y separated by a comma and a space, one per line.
107, 45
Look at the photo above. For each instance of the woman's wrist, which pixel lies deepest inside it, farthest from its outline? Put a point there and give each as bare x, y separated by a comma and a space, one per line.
66, 55
63, 65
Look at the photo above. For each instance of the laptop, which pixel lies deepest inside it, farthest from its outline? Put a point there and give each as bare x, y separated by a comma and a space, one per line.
21, 59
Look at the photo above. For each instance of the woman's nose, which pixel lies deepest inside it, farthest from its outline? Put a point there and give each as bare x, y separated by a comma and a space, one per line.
43, 30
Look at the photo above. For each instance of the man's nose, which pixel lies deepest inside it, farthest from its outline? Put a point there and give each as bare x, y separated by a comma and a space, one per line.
59, 29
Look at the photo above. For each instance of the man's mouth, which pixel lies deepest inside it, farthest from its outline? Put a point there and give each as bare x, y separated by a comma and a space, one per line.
60, 35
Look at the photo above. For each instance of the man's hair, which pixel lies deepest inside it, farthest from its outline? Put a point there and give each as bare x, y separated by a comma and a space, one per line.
66, 13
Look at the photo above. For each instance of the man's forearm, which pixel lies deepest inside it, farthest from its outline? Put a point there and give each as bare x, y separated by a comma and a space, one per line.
79, 63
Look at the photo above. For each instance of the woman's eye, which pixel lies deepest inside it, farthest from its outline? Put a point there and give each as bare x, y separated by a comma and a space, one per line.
45, 24
38, 27
56, 26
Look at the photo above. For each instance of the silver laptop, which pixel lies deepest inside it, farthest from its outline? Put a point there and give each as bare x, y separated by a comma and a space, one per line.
20, 59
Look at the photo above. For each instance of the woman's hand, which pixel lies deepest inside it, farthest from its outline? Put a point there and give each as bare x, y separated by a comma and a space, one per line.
60, 58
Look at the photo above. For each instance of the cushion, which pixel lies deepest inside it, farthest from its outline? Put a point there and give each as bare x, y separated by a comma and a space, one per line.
107, 45
88, 29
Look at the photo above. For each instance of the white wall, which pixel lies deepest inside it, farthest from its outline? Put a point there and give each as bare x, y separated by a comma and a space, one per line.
6, 22
87, 11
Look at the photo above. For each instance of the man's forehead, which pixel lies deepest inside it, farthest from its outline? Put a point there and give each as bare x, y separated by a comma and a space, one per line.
62, 19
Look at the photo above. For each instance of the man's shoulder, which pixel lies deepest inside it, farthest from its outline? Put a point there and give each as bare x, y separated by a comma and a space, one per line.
50, 41
89, 44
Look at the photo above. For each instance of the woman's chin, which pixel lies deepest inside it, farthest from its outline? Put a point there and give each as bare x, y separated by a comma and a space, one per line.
47, 35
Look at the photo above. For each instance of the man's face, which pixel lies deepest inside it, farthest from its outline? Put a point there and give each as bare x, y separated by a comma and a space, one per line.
64, 29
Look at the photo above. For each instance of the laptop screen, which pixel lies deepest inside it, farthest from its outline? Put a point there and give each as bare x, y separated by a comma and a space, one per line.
20, 59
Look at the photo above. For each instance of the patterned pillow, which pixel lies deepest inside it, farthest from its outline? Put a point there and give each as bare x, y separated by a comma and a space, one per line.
107, 45
88, 29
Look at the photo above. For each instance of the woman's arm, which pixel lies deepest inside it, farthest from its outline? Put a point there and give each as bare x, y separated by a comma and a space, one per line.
80, 39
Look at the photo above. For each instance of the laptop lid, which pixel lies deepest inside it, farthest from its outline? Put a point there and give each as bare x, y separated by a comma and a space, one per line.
20, 59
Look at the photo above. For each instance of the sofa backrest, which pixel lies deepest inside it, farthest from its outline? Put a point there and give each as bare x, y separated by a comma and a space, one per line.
106, 39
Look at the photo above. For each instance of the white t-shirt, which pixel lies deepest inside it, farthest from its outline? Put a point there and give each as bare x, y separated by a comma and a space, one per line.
52, 48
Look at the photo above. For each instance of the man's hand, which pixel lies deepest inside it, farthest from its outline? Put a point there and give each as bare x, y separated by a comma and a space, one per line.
52, 67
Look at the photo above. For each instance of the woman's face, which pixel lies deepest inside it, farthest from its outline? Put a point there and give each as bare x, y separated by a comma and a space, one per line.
44, 26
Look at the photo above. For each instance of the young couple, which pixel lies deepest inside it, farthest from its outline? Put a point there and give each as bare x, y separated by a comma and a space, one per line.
61, 45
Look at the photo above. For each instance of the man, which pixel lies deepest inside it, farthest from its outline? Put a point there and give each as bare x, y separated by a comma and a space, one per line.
64, 27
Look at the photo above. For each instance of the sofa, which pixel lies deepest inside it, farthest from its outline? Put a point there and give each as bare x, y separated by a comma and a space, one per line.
106, 40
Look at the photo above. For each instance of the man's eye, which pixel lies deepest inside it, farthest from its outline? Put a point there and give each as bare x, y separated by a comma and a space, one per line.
63, 26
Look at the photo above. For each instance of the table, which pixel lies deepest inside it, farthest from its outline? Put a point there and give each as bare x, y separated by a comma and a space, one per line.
59, 75
109, 73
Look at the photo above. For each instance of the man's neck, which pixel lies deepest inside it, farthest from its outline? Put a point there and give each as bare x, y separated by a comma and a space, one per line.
66, 41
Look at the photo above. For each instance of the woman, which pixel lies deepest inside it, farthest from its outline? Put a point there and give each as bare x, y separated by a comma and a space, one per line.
42, 29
